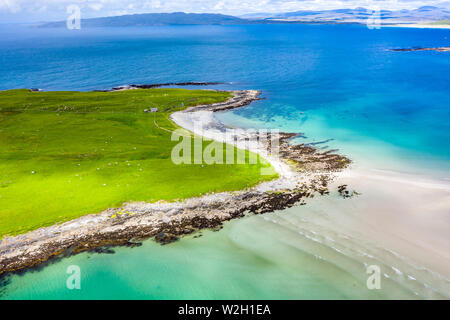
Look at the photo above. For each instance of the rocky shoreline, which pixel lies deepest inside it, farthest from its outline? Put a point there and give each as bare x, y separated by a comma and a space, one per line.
306, 173
159, 85
438, 49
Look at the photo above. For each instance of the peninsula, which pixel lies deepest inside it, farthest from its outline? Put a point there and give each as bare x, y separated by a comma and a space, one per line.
114, 143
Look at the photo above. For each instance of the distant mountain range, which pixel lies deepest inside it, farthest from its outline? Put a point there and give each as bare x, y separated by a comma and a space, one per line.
357, 15
157, 19
425, 13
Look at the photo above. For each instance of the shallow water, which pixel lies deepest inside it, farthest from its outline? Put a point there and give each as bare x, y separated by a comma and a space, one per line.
339, 85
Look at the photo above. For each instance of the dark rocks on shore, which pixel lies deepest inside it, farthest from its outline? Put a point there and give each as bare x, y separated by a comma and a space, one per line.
157, 85
106, 249
165, 233
165, 237
345, 193
308, 158
199, 214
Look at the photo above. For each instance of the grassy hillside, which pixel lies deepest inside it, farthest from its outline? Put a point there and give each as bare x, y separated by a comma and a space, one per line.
66, 154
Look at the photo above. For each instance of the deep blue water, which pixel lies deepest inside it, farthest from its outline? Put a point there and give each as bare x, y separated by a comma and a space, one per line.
350, 87
335, 83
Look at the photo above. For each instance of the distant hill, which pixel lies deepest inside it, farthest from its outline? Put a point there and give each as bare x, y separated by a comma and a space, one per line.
156, 19
257, 15
357, 15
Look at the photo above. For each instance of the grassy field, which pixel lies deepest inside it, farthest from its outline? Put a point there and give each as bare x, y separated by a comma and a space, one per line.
67, 154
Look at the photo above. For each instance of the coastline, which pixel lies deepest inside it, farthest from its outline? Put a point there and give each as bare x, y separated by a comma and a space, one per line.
165, 221
398, 222
418, 26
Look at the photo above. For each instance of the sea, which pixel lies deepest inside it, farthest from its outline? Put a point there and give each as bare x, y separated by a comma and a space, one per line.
343, 88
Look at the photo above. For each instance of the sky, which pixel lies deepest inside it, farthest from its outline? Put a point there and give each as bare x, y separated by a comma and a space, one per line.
54, 10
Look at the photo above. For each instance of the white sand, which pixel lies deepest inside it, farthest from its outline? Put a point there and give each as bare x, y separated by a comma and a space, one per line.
405, 213
211, 128
400, 222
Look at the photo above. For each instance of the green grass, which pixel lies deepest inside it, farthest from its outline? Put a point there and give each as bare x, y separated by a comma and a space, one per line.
67, 154
441, 22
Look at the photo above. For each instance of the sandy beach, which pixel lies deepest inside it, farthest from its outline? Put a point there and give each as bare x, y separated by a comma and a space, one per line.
396, 221
419, 26
399, 221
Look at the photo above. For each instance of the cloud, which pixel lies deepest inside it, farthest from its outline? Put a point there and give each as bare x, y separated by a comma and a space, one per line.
10, 5
96, 6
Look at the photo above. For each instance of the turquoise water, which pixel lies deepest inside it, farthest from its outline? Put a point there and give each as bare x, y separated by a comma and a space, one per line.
230, 264
336, 84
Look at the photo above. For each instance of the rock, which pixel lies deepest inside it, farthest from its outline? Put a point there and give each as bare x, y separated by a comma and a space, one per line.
165, 238
173, 212
166, 222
